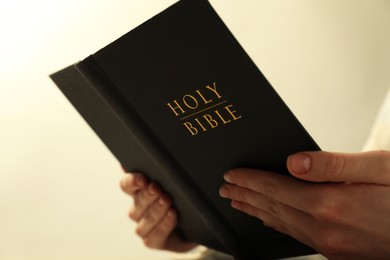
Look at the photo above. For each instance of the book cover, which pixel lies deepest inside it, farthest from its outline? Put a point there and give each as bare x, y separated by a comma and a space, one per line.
178, 99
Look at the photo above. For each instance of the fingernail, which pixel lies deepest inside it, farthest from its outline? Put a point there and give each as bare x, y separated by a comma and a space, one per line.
224, 191
161, 202
170, 214
234, 204
138, 180
299, 163
228, 177
151, 189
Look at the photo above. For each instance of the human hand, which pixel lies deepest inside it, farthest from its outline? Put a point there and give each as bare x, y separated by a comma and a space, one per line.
345, 214
153, 212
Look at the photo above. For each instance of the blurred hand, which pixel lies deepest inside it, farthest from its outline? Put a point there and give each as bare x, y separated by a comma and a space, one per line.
153, 212
344, 215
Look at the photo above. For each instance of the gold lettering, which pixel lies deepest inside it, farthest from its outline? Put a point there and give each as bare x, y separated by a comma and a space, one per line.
176, 107
203, 118
222, 119
201, 95
214, 90
191, 98
197, 120
191, 128
232, 112
212, 122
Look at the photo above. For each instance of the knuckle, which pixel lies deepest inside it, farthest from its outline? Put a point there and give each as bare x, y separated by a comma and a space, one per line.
324, 212
169, 219
150, 217
270, 189
139, 232
123, 183
150, 244
334, 165
153, 189
133, 214
330, 209
143, 199
271, 193
329, 213
273, 207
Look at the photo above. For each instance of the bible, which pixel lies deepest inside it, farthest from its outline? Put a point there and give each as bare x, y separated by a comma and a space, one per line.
178, 99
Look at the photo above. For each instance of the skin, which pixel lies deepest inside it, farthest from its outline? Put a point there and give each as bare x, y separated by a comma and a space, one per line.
153, 212
345, 214
342, 210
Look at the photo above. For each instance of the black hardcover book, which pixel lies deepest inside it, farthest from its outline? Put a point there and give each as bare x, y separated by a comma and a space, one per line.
179, 100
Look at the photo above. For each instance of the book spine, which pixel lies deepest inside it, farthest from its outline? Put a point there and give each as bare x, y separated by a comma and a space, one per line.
122, 130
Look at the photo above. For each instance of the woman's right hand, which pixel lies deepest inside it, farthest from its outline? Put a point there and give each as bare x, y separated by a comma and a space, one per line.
153, 212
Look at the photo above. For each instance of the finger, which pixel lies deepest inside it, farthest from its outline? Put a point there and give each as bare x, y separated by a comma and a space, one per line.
278, 224
290, 191
319, 235
291, 216
369, 167
143, 200
153, 216
158, 236
131, 183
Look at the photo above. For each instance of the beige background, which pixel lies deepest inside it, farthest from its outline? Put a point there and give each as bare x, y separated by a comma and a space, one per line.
59, 193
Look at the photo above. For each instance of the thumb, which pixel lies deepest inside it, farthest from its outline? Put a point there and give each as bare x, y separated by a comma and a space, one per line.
367, 167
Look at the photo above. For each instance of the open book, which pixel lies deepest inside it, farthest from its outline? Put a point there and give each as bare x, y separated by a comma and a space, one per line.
178, 99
